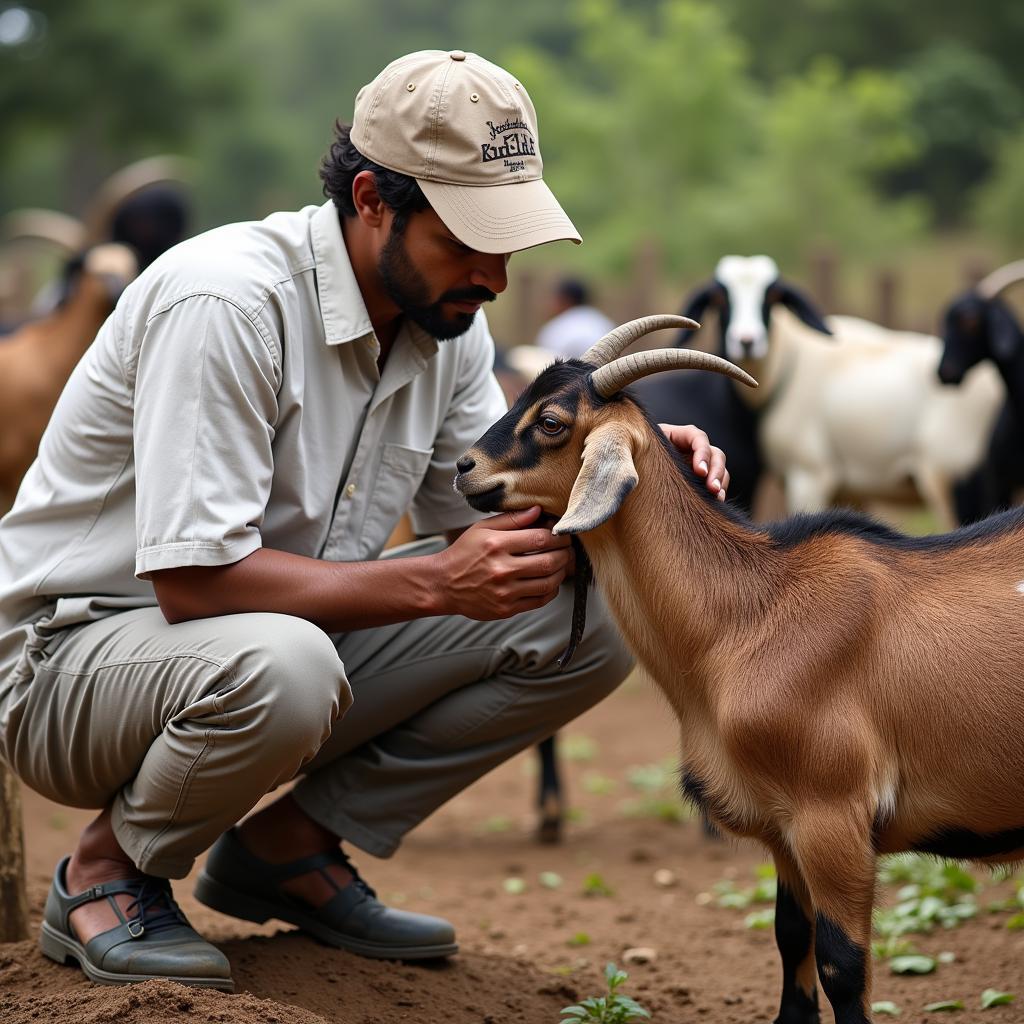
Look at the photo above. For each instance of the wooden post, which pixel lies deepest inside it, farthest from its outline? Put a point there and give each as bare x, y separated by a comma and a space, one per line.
824, 264
888, 287
13, 900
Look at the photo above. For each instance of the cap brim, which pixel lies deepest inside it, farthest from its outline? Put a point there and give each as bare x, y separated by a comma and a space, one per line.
500, 218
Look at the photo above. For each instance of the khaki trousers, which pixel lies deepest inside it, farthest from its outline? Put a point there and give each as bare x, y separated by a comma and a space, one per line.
184, 728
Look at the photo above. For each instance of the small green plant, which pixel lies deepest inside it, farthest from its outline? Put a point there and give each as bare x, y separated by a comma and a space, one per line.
763, 891
598, 784
886, 1007
577, 747
613, 1008
595, 885
993, 997
944, 1006
658, 788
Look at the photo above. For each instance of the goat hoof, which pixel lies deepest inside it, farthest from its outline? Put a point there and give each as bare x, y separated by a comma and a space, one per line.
549, 831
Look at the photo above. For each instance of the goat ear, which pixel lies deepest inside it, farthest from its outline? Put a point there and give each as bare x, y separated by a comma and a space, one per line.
1004, 334
696, 304
606, 477
800, 304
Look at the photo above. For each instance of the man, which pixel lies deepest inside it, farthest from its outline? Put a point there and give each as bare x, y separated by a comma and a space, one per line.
190, 583
574, 321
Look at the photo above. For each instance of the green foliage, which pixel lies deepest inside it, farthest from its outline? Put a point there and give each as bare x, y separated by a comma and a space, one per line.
660, 107
658, 788
704, 127
763, 891
914, 963
993, 997
999, 206
595, 885
932, 893
613, 1008
885, 1007
944, 1006
961, 106
110, 80
577, 747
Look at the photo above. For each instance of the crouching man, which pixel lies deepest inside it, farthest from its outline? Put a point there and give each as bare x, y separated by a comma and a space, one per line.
193, 606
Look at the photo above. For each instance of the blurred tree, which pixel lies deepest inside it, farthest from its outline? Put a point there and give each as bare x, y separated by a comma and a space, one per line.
638, 125
656, 129
97, 83
875, 33
999, 206
823, 140
962, 105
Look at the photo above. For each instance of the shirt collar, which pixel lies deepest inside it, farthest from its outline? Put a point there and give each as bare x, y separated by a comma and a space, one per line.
342, 308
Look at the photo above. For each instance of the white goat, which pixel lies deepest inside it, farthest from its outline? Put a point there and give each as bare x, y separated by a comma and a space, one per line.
862, 413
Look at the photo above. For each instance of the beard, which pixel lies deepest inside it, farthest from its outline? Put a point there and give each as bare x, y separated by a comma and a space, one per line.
409, 291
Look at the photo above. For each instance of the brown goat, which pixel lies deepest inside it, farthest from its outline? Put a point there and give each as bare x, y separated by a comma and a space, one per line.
842, 690
36, 361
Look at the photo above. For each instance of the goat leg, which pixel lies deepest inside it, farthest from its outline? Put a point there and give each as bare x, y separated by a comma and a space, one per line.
794, 935
832, 847
549, 799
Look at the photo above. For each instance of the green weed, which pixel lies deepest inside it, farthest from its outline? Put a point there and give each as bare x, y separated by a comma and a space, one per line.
612, 1008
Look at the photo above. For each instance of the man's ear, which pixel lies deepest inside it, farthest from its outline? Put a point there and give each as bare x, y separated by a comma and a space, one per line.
606, 477
370, 208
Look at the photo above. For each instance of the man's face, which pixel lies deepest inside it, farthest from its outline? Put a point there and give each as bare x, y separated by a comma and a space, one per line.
435, 280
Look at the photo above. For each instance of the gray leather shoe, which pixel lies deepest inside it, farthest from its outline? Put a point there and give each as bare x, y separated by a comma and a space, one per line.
238, 883
155, 941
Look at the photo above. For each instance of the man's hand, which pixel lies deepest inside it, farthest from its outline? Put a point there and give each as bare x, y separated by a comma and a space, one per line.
503, 565
708, 461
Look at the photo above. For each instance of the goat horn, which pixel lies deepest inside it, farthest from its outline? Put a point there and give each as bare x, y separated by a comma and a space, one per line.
43, 225
129, 181
626, 369
989, 287
612, 344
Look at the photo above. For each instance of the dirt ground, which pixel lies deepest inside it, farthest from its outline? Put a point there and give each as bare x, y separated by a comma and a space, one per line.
524, 954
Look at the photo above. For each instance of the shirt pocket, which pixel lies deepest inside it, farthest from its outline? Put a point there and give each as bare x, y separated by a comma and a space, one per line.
402, 470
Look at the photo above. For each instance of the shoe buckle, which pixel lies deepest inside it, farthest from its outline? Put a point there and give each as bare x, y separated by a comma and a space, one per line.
136, 928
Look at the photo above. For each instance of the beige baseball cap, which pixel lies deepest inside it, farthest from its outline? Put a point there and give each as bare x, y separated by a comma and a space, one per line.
466, 130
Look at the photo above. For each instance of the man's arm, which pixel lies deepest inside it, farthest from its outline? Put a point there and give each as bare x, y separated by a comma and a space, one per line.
498, 567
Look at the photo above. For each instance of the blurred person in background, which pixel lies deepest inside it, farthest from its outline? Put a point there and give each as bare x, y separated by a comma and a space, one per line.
574, 324
193, 606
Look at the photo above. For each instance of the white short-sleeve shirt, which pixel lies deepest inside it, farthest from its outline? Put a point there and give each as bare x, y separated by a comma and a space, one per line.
232, 400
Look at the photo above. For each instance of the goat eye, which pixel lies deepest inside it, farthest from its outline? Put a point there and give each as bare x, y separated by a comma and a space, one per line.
550, 425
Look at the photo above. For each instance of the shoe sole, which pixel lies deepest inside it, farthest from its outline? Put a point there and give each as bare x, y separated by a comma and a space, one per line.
62, 948
218, 896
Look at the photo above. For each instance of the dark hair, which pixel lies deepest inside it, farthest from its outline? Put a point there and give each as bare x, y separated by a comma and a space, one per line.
573, 291
343, 162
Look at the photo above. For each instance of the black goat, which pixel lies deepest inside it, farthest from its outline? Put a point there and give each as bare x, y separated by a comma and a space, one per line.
977, 327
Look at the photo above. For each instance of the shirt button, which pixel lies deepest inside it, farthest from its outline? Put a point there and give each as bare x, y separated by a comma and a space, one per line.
350, 490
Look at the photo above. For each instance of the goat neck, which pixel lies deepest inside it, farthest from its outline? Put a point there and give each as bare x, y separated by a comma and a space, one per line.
678, 559
774, 372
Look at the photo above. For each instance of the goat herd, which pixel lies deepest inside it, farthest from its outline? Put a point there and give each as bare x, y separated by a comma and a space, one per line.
842, 690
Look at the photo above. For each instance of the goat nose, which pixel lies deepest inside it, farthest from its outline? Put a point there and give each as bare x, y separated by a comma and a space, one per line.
465, 464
